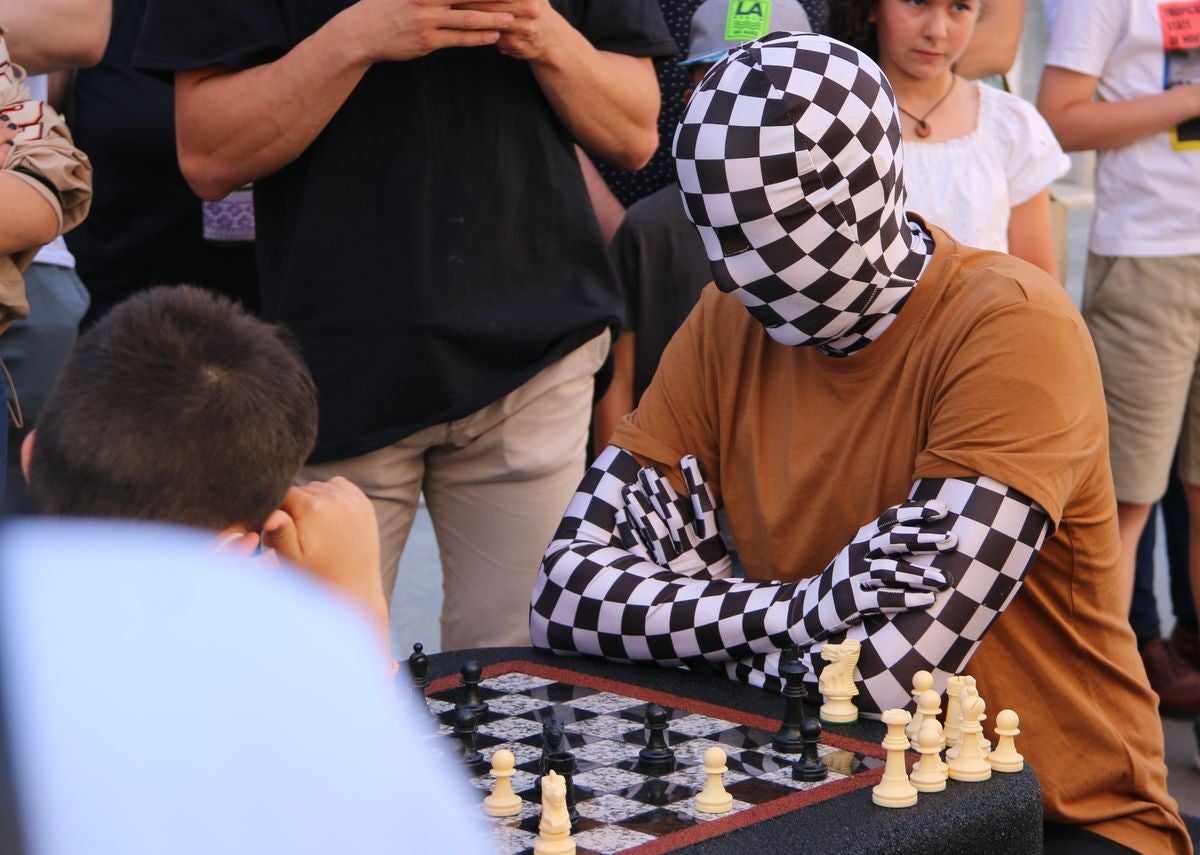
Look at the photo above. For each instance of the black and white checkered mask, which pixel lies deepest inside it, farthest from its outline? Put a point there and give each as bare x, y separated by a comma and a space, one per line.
789, 160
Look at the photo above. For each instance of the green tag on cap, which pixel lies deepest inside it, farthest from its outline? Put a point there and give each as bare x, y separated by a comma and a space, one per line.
747, 20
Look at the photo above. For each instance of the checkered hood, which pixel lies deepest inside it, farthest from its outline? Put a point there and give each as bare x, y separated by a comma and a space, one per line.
789, 161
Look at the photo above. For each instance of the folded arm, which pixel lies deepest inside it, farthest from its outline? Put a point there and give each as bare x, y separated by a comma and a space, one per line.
27, 220
608, 101
999, 533
48, 35
236, 126
634, 586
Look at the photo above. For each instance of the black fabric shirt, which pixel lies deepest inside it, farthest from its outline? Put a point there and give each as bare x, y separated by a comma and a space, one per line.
145, 227
434, 247
662, 268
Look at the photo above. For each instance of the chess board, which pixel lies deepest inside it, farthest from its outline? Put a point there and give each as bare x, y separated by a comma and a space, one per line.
623, 808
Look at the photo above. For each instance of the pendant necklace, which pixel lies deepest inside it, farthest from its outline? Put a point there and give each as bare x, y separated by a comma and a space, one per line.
923, 130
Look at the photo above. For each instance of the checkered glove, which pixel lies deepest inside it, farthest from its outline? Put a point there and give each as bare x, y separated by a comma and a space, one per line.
871, 575
671, 532
594, 595
682, 534
998, 532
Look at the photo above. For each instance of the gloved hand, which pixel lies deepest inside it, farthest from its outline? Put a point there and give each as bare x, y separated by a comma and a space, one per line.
680, 534
873, 574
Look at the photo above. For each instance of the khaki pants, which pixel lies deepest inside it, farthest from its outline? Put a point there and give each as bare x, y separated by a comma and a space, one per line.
496, 484
1144, 317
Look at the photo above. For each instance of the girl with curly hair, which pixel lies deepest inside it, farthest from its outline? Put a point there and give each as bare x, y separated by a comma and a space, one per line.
979, 161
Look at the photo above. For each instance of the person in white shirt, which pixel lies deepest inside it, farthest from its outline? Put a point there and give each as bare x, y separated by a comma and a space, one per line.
1119, 78
979, 161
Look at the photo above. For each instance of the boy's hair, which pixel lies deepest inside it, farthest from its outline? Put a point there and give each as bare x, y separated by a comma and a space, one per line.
177, 406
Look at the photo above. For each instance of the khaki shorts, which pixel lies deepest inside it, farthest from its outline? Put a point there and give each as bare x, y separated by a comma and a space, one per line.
1144, 316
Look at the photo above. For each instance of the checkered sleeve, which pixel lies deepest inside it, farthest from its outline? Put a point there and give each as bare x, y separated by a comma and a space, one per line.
599, 592
999, 533
596, 595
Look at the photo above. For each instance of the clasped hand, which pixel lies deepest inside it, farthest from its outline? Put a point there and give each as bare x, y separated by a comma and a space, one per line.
532, 31
680, 534
876, 573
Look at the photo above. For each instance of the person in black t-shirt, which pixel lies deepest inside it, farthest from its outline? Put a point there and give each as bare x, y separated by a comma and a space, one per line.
423, 227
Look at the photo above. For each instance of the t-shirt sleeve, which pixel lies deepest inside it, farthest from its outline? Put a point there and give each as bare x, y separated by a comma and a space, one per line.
1035, 158
1020, 401
675, 415
1085, 33
634, 27
178, 35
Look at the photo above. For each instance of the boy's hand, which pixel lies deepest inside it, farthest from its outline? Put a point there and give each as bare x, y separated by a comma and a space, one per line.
329, 529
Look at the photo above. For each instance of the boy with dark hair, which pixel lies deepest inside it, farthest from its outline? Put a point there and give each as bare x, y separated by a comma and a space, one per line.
179, 407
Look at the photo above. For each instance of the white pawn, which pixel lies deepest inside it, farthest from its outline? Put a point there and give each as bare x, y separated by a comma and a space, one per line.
929, 707
714, 798
895, 790
922, 682
502, 801
1005, 758
929, 775
970, 763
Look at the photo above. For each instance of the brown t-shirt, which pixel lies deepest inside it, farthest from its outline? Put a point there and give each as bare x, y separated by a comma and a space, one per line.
988, 370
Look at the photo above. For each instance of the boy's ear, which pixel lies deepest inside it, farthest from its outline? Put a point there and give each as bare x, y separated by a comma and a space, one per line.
27, 453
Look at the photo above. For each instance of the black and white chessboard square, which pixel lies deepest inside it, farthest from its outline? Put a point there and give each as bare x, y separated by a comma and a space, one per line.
621, 805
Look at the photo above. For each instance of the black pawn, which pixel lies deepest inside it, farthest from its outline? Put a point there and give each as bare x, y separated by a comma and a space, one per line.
563, 763
471, 675
418, 667
657, 758
810, 767
464, 729
792, 670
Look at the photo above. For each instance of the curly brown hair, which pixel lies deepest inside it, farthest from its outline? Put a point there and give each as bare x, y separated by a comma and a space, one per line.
848, 23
